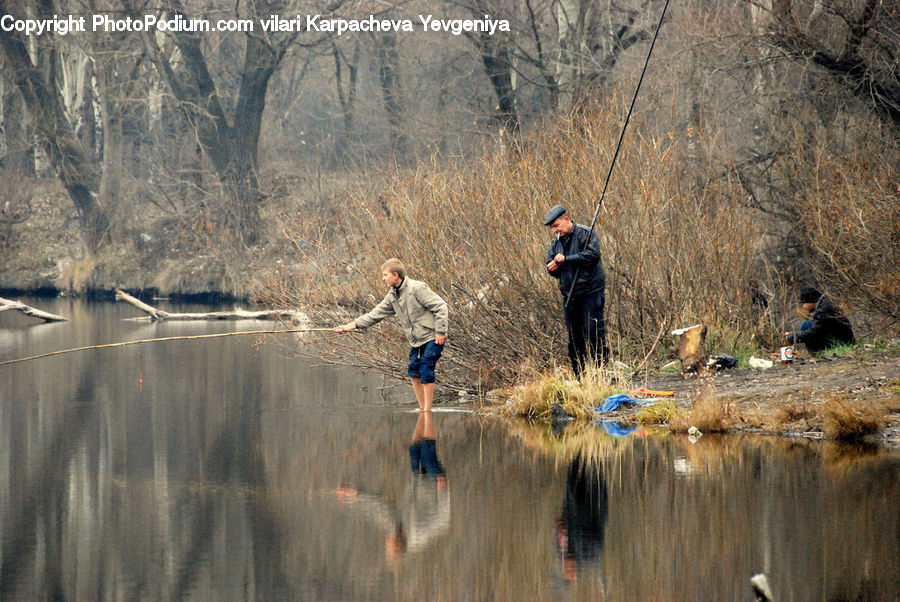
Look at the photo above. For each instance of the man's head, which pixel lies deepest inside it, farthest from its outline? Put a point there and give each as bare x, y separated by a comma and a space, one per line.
393, 272
558, 220
809, 297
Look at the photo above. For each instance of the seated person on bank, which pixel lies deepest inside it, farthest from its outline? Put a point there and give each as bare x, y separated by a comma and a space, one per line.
826, 326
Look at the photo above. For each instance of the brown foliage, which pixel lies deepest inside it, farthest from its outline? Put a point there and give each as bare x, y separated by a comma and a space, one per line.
848, 421
849, 220
673, 252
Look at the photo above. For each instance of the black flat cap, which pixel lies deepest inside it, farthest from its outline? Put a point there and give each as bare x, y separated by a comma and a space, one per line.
809, 295
556, 212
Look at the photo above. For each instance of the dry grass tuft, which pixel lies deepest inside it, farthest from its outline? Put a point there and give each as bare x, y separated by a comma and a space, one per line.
792, 412
661, 412
578, 398
707, 413
848, 421
892, 386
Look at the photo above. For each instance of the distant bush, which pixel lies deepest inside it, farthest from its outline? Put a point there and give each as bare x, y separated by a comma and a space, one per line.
847, 201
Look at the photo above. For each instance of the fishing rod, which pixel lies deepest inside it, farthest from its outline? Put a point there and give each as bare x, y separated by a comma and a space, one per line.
618, 147
164, 339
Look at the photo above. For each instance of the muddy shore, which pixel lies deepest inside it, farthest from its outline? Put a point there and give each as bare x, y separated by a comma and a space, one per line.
791, 400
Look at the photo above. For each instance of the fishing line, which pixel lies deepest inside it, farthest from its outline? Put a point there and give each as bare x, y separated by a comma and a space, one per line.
618, 147
164, 339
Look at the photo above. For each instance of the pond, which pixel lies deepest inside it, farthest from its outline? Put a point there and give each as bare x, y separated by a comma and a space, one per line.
225, 469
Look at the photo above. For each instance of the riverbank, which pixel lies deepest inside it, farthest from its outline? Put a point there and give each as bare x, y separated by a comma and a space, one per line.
813, 397
186, 260
162, 256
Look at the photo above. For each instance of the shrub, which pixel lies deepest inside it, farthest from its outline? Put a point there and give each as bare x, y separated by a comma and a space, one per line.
675, 250
578, 398
847, 204
848, 421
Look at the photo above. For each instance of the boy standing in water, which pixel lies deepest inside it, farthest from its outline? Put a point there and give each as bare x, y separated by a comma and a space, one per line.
423, 315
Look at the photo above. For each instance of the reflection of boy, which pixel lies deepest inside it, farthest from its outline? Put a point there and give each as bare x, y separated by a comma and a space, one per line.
826, 327
425, 515
423, 450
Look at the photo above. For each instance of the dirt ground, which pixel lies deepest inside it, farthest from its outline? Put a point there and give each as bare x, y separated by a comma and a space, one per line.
793, 400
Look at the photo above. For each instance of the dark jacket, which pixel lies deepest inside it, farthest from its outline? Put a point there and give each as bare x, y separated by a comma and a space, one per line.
591, 278
828, 327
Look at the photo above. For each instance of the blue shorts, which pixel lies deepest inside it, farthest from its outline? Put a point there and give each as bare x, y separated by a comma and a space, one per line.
422, 360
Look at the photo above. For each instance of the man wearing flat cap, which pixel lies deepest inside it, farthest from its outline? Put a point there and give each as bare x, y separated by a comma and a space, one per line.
574, 256
827, 325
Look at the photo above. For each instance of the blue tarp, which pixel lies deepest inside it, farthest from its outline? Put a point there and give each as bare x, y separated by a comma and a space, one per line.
614, 401
614, 428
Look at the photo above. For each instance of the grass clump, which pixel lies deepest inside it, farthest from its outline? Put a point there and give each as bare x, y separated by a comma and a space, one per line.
661, 412
840, 350
792, 412
707, 412
578, 397
847, 421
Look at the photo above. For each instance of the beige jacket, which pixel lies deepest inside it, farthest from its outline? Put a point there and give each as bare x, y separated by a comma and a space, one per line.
421, 312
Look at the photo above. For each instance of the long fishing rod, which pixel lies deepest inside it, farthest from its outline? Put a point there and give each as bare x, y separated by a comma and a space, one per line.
164, 339
618, 147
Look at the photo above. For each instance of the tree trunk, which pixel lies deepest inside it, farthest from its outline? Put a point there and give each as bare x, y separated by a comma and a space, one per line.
17, 144
346, 95
75, 170
6, 304
496, 60
231, 149
155, 314
388, 59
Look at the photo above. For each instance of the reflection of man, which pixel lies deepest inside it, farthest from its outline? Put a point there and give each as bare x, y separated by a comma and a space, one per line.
580, 528
425, 513
574, 255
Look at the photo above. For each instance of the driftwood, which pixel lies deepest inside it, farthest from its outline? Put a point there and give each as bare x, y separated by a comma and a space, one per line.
154, 314
6, 304
690, 346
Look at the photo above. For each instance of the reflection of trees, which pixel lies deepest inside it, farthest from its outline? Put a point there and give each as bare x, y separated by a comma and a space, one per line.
44, 501
234, 458
80, 522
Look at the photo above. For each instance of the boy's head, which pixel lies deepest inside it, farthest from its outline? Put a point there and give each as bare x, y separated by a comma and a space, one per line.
393, 272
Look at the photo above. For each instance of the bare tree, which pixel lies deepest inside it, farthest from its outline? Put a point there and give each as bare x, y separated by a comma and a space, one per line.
76, 170
230, 143
592, 37
856, 43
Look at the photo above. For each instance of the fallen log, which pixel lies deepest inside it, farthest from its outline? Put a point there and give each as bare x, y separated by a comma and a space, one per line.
6, 304
155, 314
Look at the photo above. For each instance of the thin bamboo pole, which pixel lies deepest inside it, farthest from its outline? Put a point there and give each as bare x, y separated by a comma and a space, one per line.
165, 339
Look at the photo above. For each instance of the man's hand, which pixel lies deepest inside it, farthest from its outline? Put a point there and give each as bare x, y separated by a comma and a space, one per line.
440, 339
554, 263
345, 327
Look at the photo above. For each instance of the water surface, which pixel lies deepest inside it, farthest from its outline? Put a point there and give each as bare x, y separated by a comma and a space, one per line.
222, 469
